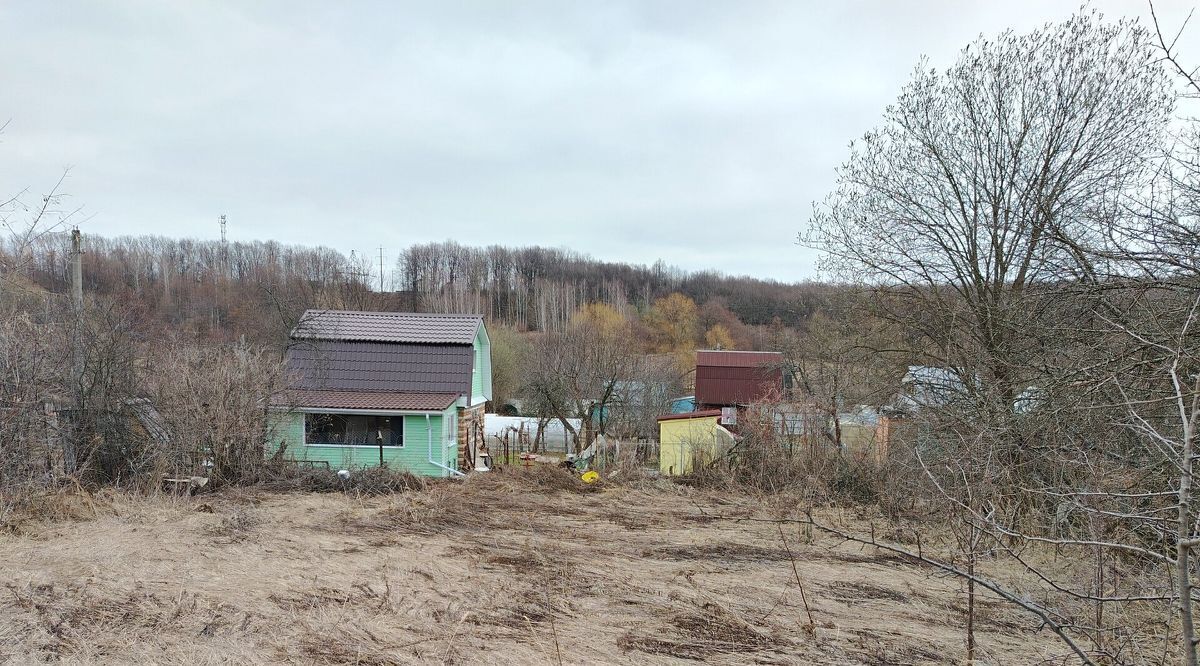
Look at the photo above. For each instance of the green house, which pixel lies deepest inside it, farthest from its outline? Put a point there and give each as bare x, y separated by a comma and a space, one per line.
403, 389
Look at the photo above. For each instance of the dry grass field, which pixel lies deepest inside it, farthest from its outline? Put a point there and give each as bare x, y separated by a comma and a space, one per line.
494, 570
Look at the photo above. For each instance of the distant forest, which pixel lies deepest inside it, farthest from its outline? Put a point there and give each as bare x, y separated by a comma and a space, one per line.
256, 290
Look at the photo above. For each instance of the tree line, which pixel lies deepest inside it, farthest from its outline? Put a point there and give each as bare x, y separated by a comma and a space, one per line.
257, 289
536, 288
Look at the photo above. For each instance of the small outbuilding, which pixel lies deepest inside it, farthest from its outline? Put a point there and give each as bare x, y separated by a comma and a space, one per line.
737, 378
688, 442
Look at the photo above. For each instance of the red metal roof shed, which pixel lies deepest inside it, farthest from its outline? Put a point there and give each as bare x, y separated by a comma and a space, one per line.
727, 378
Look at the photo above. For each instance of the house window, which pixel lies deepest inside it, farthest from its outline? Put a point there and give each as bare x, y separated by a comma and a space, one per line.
353, 430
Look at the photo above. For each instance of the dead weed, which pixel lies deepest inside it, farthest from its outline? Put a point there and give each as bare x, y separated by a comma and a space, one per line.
235, 527
725, 552
70, 616
848, 591
705, 630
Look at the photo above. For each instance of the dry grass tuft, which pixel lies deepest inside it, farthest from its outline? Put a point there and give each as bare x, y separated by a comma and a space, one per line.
66, 503
718, 552
508, 500
851, 591
62, 619
706, 630
874, 650
526, 607
360, 594
880, 557
236, 526
546, 478
356, 645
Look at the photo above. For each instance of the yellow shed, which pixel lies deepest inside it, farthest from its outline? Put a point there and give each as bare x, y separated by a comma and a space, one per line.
688, 441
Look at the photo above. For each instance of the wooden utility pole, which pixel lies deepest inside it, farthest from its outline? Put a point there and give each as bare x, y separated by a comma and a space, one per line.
164, 269
225, 268
76, 271
69, 448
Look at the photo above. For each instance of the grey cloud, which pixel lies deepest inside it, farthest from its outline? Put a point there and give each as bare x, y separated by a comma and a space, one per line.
695, 132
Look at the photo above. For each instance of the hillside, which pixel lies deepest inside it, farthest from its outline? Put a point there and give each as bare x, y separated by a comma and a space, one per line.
258, 289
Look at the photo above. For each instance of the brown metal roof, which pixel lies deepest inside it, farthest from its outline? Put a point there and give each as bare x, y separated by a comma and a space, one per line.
388, 327
334, 365
364, 400
738, 359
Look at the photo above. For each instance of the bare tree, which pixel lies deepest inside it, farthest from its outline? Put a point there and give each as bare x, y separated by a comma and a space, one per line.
575, 374
975, 198
984, 215
839, 362
214, 401
27, 220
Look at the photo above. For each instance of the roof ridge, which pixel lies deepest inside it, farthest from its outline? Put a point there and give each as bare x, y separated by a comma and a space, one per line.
370, 390
384, 326
394, 313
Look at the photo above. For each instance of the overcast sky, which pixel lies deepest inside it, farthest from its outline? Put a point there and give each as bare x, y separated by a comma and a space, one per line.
694, 132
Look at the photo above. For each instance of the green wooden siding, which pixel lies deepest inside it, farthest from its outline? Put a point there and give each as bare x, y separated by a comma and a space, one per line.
477, 375
288, 428
481, 379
